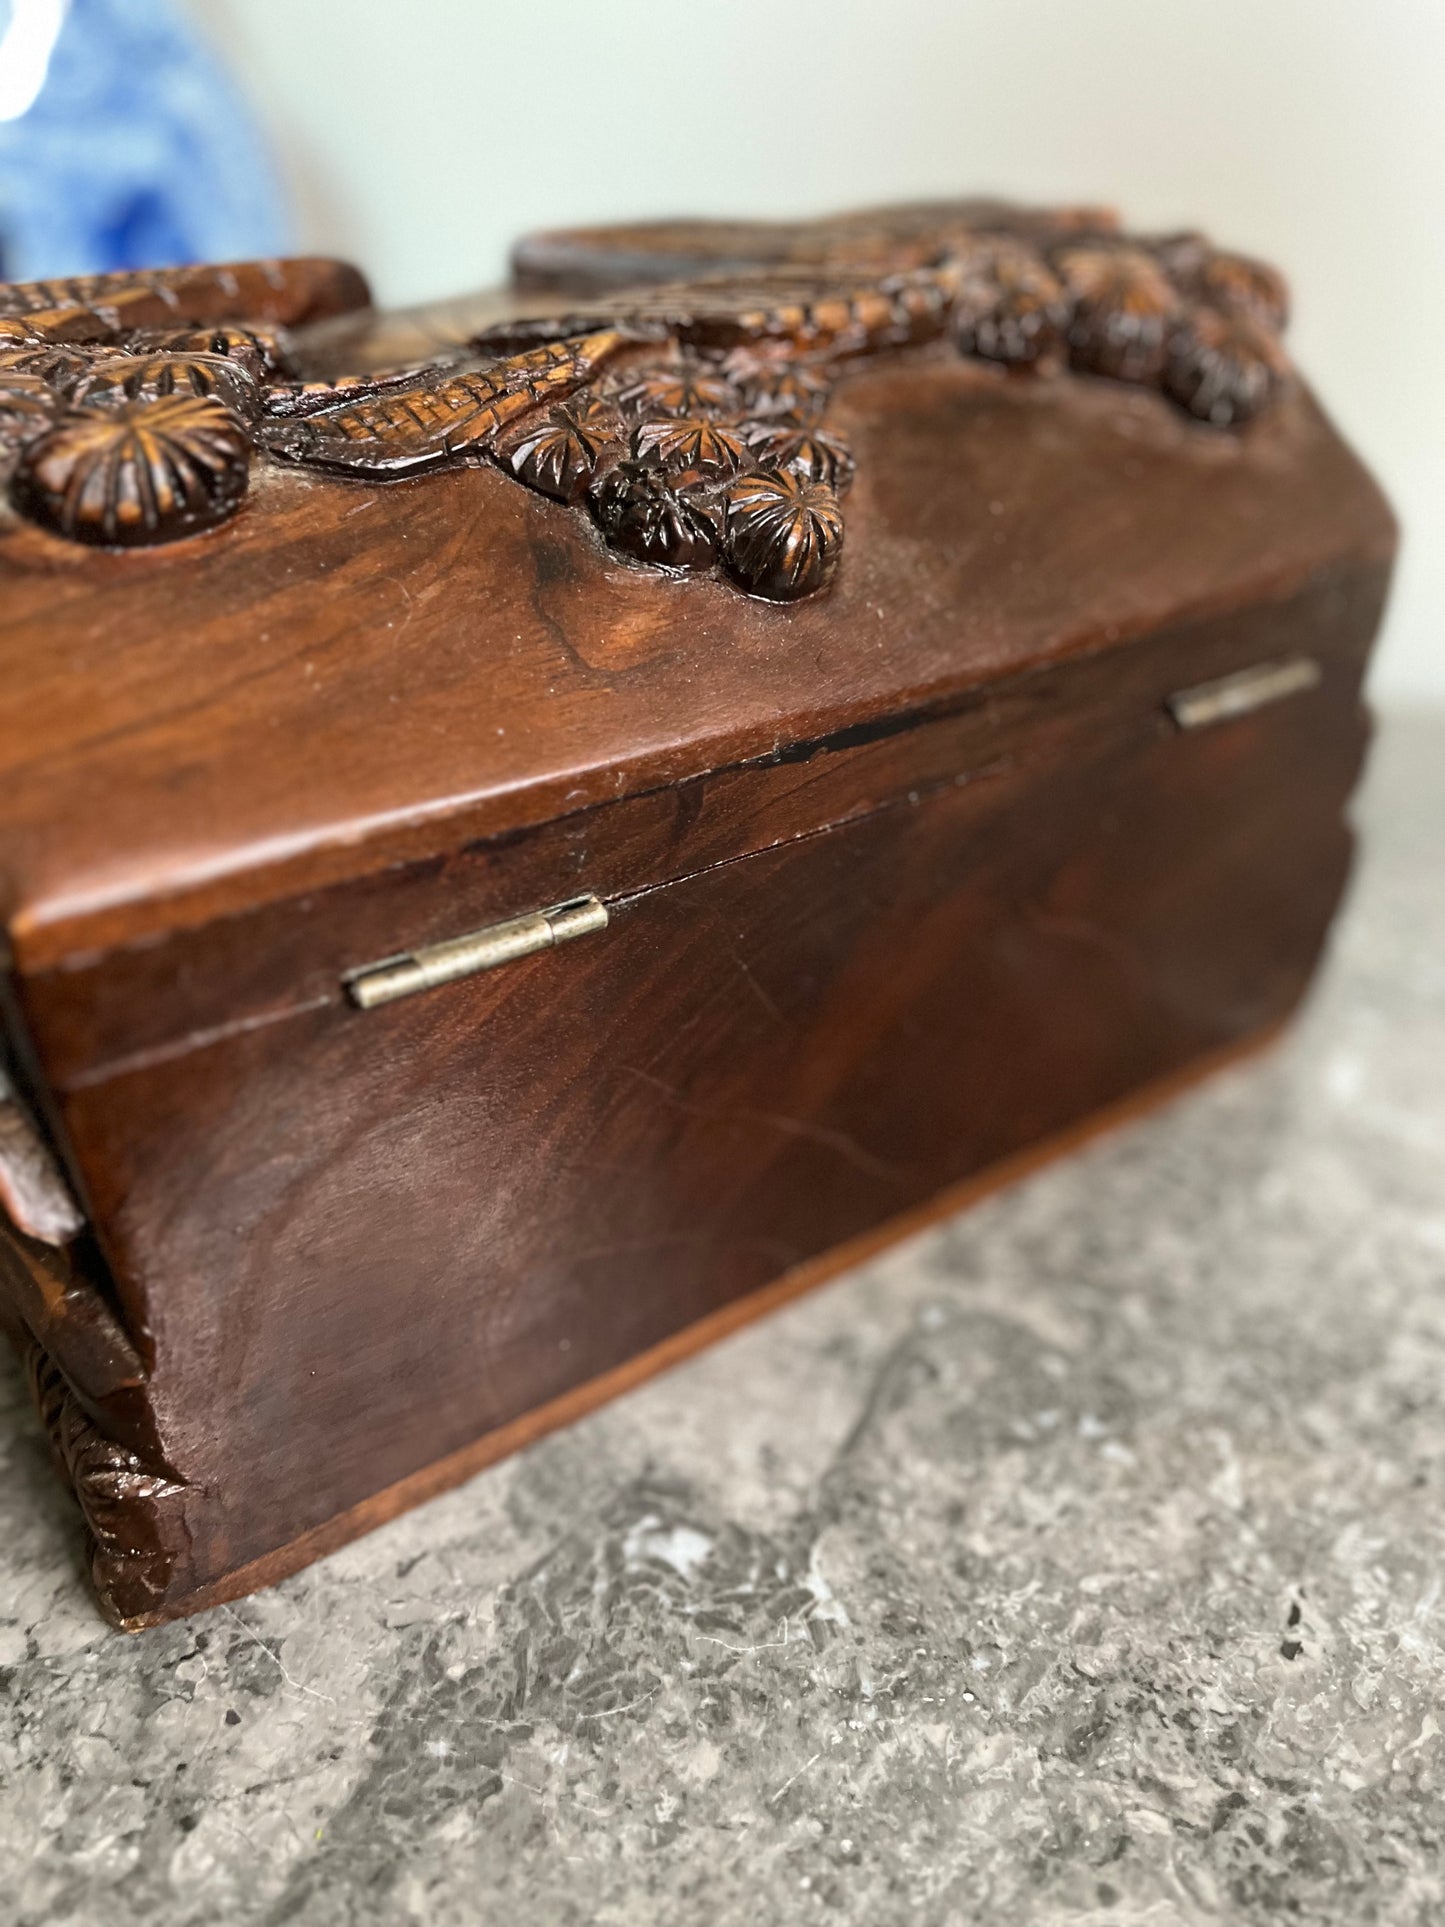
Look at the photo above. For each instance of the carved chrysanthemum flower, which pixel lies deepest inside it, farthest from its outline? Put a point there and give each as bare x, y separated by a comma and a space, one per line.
48, 361
123, 378
1179, 253
640, 515
261, 351
1223, 368
701, 448
1239, 285
141, 472
919, 305
558, 455
688, 391
782, 391
807, 452
1009, 306
27, 409
783, 534
1124, 307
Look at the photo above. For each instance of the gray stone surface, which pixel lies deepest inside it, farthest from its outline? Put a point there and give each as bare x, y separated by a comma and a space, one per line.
1078, 1562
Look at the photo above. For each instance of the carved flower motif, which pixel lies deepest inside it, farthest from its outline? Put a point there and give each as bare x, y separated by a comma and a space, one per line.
1180, 253
559, 454
140, 472
641, 515
687, 392
1240, 286
47, 361
1009, 306
1124, 308
782, 391
123, 378
27, 409
918, 306
807, 452
262, 352
1223, 368
783, 534
700, 448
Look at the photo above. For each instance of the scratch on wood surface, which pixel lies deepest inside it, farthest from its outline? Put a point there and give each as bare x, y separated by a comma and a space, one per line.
752, 983
832, 1140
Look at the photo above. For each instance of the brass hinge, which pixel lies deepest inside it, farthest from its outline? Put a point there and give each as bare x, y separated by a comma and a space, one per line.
499, 943
1246, 689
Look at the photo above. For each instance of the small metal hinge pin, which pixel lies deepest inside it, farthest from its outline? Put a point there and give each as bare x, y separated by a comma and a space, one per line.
1246, 689
499, 943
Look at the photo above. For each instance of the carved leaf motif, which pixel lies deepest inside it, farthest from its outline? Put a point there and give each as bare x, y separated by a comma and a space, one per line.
783, 534
292, 400
835, 311
287, 292
122, 378
806, 452
652, 401
641, 515
1124, 310
700, 448
130, 1508
421, 426
436, 421
137, 473
1223, 368
70, 326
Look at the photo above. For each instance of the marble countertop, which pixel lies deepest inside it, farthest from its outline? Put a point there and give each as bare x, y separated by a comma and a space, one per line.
1079, 1561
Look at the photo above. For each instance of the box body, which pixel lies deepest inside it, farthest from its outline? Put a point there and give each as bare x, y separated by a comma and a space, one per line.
903, 883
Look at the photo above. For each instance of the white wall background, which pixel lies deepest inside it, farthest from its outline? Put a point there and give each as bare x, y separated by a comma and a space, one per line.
420, 136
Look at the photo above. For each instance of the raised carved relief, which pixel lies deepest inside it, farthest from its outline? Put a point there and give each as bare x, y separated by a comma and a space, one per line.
131, 1509
1223, 367
1010, 306
437, 422
145, 471
87, 1373
783, 534
1122, 308
678, 394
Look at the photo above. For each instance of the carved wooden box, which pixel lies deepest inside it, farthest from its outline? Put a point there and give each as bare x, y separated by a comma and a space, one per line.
530, 829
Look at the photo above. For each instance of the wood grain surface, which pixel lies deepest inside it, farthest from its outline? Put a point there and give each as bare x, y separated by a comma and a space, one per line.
345, 677
351, 1242
903, 881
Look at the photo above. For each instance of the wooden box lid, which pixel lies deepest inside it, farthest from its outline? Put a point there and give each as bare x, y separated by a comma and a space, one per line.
350, 672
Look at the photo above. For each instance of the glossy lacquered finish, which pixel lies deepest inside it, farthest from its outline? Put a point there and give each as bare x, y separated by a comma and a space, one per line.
901, 883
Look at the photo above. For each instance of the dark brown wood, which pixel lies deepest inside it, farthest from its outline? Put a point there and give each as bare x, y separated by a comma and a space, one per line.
442, 1474
910, 869
343, 679
683, 385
